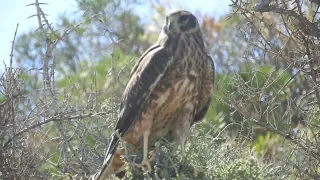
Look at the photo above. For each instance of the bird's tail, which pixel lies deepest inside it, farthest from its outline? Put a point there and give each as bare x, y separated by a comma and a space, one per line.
114, 161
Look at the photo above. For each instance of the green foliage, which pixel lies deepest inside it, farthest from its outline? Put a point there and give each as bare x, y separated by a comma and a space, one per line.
263, 116
265, 145
98, 76
240, 169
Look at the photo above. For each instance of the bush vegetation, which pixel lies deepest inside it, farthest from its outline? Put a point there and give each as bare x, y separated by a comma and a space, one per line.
60, 92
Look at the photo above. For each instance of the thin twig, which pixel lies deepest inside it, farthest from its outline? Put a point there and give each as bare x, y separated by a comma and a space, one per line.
38, 14
12, 46
58, 117
313, 72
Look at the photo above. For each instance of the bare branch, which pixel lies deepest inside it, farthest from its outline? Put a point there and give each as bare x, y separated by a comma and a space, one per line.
58, 117
12, 46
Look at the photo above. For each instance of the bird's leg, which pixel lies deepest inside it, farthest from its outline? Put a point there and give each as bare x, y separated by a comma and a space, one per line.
183, 152
183, 148
183, 140
145, 160
184, 157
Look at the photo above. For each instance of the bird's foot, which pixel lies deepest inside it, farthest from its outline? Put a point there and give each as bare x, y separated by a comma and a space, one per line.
146, 162
153, 156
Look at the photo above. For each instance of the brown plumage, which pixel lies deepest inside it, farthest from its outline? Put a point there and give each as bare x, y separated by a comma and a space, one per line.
169, 89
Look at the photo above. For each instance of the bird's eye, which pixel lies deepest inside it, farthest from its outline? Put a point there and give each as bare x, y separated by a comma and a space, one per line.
183, 18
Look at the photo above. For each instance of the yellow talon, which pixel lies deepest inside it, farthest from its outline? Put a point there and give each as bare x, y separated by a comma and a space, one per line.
145, 160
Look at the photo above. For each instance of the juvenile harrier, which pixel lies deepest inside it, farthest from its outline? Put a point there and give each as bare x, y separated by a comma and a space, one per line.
169, 89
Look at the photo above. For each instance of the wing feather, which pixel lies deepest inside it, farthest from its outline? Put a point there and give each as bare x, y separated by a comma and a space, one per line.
144, 77
142, 57
206, 93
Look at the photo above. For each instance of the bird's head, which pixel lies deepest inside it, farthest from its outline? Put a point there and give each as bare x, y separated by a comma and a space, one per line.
180, 21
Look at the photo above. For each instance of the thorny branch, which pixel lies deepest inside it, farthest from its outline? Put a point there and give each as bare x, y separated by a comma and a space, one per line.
300, 22
297, 44
309, 28
23, 129
85, 153
58, 117
12, 46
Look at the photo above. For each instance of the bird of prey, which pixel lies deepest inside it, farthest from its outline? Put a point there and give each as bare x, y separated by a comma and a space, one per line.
170, 88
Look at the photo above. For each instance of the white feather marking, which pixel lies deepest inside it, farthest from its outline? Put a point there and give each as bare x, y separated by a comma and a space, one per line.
186, 82
193, 73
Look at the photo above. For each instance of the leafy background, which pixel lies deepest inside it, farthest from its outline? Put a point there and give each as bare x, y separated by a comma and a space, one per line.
59, 99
